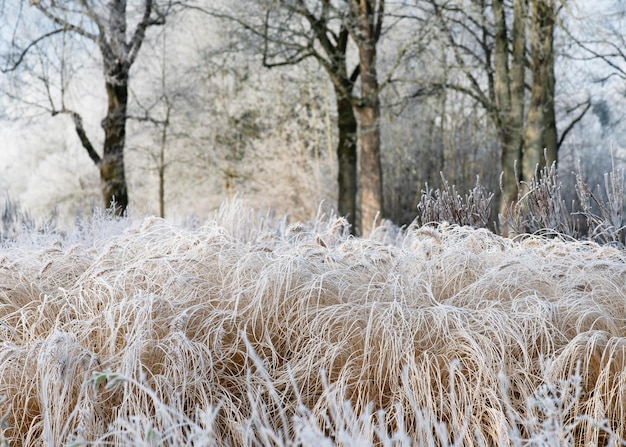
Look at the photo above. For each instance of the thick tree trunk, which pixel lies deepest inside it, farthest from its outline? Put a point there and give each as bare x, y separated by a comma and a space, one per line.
112, 173
347, 158
370, 166
509, 96
347, 127
540, 132
533, 135
370, 176
117, 60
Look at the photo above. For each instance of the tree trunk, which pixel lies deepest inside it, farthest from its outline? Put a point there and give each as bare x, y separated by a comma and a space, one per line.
117, 59
347, 158
540, 132
370, 166
112, 174
550, 136
161, 164
162, 191
509, 96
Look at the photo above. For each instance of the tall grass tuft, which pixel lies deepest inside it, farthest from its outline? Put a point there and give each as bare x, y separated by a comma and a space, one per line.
256, 332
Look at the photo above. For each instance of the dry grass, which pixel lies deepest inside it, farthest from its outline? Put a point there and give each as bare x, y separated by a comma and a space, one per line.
239, 333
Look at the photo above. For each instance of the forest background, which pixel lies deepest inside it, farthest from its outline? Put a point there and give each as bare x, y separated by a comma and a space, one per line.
274, 100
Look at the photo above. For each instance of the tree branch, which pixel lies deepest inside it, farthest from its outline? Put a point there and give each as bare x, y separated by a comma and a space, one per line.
93, 16
378, 26
82, 135
140, 31
575, 121
476, 95
355, 74
64, 23
604, 57
27, 49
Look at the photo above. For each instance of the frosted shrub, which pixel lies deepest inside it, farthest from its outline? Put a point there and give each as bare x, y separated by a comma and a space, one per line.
596, 214
603, 209
447, 205
14, 220
540, 208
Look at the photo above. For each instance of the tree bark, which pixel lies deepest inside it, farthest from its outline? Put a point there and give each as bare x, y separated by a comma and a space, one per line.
346, 157
370, 176
540, 140
368, 18
116, 60
550, 136
509, 96
112, 173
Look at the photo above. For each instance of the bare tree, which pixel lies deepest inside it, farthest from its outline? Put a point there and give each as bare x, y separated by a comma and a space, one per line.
159, 107
160, 161
491, 63
289, 32
106, 25
508, 107
487, 54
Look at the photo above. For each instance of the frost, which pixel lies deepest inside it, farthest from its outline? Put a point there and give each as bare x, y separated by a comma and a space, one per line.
248, 330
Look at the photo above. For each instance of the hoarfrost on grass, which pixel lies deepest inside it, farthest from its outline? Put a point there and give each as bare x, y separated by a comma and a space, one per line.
251, 331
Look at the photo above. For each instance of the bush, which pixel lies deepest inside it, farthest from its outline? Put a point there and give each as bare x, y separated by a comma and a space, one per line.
539, 208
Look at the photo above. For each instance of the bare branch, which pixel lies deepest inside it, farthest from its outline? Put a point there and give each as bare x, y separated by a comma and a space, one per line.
28, 48
140, 33
606, 58
82, 135
93, 16
472, 93
575, 121
67, 26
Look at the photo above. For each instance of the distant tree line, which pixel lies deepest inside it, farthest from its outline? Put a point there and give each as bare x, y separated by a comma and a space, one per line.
478, 78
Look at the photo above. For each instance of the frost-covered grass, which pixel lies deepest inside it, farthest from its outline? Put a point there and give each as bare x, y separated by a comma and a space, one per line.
250, 332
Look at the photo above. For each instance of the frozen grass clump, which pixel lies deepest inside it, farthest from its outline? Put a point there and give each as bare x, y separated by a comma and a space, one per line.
249, 331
